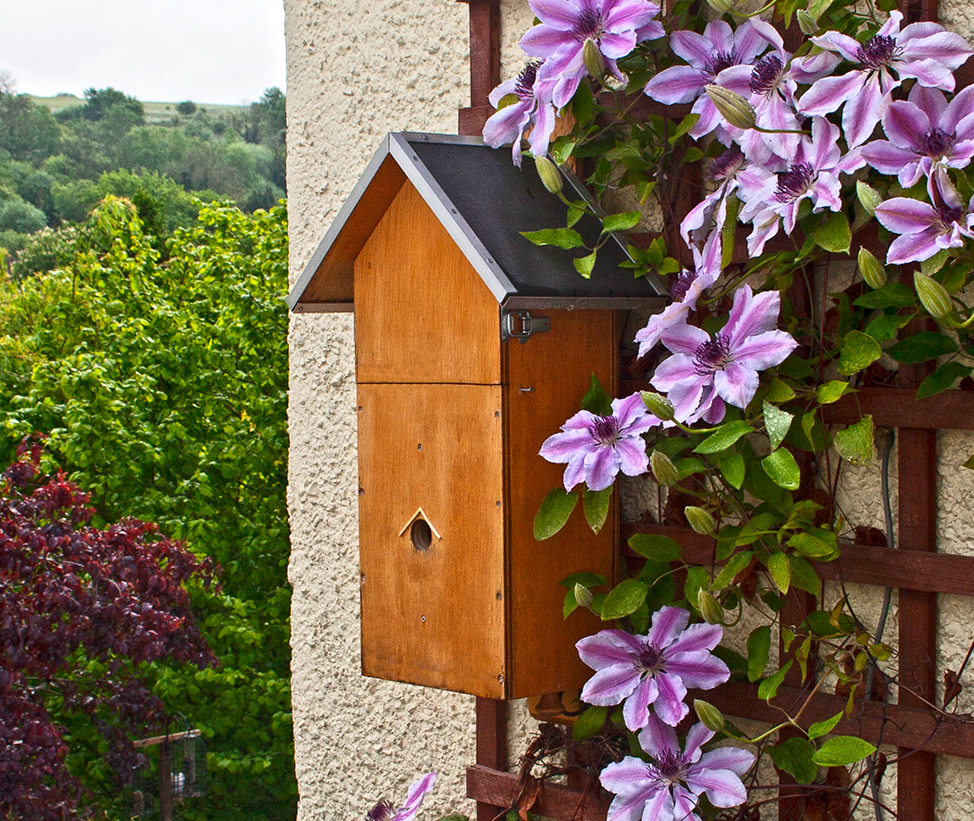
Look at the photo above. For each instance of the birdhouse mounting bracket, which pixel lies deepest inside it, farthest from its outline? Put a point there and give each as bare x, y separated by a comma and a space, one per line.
521, 325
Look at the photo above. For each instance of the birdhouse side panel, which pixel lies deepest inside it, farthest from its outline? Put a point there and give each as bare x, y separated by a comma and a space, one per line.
431, 535
547, 378
422, 313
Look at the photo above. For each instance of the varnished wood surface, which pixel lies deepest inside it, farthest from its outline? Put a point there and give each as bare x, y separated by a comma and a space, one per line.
433, 617
546, 379
489, 786
422, 314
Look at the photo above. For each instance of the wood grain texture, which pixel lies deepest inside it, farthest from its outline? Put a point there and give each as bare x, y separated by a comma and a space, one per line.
433, 617
546, 379
899, 408
554, 800
491, 716
422, 314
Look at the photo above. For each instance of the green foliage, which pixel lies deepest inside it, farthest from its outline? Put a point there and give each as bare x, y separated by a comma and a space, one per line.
162, 386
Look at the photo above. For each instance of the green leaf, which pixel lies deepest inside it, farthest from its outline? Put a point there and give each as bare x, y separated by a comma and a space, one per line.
921, 347
732, 466
776, 422
584, 578
803, 576
855, 443
768, 688
942, 379
589, 723
697, 578
725, 436
685, 125
842, 751
783, 469
565, 238
583, 105
596, 400
833, 391
758, 649
595, 503
780, 391
734, 565
884, 327
858, 351
820, 728
815, 544
655, 548
553, 513
794, 756
574, 215
585, 265
834, 234
780, 570
620, 222
624, 599
892, 295
561, 151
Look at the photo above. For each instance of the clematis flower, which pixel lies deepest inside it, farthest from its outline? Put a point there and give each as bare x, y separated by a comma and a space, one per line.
596, 448
614, 26
924, 51
926, 228
383, 811
707, 371
532, 109
924, 131
669, 787
686, 290
652, 670
707, 56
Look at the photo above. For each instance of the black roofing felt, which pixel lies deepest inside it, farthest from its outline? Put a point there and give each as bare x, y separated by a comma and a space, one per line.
499, 201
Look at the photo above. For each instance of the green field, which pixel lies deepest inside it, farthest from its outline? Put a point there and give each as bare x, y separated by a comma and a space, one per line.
155, 113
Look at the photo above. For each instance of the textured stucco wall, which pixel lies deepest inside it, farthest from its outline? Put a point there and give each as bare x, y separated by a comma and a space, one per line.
356, 71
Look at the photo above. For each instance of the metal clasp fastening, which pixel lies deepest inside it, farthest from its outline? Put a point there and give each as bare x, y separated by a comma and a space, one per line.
520, 325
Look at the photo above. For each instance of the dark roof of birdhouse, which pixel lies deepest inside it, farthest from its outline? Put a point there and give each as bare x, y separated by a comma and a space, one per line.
484, 202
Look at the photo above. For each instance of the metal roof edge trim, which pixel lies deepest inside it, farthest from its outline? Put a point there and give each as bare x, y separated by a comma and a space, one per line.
449, 216
338, 224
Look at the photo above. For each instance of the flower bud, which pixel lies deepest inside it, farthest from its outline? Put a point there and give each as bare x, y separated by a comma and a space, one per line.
732, 107
868, 196
722, 6
806, 22
872, 269
549, 173
658, 405
583, 596
709, 607
933, 295
700, 520
593, 59
664, 471
709, 716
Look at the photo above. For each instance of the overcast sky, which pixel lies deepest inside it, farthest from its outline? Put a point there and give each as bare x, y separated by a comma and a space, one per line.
208, 51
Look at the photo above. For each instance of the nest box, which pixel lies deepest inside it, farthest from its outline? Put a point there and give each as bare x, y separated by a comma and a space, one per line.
472, 347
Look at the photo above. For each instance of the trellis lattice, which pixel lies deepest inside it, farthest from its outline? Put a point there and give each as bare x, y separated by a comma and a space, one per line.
914, 568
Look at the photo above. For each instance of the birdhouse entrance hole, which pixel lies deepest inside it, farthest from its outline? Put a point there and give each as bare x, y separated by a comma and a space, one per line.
421, 535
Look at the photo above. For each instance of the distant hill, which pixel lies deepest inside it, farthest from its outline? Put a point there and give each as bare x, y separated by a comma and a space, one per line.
155, 113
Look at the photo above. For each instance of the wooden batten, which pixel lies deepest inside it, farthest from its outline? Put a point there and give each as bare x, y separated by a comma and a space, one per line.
546, 379
422, 313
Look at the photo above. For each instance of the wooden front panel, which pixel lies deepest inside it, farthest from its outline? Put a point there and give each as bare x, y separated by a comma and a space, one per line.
422, 313
433, 617
546, 379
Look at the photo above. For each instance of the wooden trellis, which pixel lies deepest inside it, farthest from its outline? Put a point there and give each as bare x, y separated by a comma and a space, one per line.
914, 568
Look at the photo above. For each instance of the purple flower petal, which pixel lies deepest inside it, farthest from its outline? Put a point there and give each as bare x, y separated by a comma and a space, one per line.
830, 92
560, 447
723, 787
697, 637
697, 736
735, 759
669, 703
668, 624
633, 460
765, 350
659, 739
677, 84
903, 215
702, 671
601, 467
635, 711
611, 685
602, 650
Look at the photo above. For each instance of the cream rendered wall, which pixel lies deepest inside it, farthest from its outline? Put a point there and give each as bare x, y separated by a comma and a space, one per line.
355, 72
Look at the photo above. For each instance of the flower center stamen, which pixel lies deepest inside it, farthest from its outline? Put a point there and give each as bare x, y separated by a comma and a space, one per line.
880, 51
589, 24
672, 768
765, 75
719, 62
649, 660
948, 217
726, 165
605, 430
794, 182
524, 85
935, 143
678, 290
711, 356
380, 812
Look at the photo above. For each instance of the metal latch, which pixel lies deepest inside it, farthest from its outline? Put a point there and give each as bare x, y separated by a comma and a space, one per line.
520, 325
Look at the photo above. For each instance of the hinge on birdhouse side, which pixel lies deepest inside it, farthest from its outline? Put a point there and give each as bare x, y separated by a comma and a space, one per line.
520, 325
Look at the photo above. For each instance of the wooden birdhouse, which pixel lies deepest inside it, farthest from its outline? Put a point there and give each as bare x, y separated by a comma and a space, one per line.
472, 346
